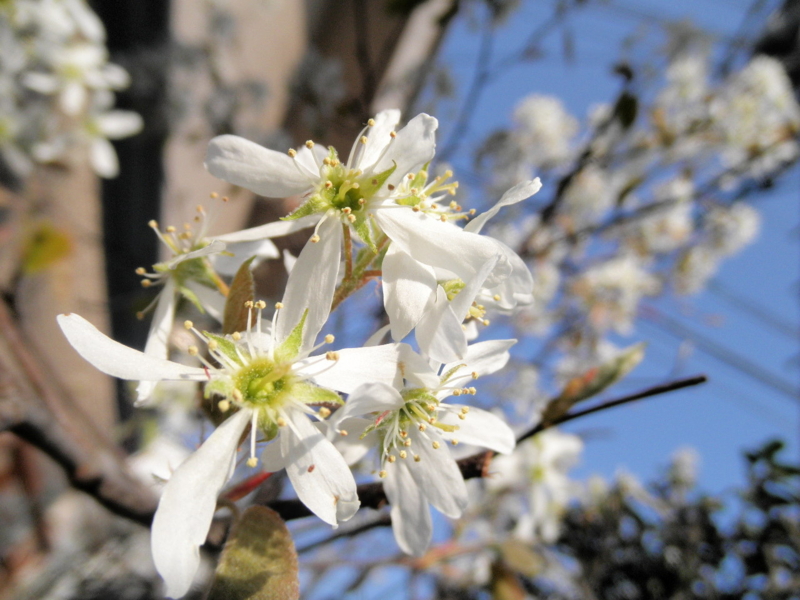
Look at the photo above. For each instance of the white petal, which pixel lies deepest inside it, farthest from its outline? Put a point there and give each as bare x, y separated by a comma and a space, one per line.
212, 301
270, 230
378, 137
437, 475
214, 247
517, 288
483, 358
184, 514
311, 284
519, 192
464, 299
376, 338
439, 333
272, 459
411, 517
117, 124
103, 158
225, 264
118, 360
352, 447
407, 287
158, 336
246, 164
355, 366
368, 398
40, 82
479, 428
442, 245
414, 146
318, 472
288, 261
73, 98
416, 369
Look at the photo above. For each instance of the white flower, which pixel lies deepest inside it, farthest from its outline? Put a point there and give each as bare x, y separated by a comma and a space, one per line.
411, 426
545, 129
382, 192
539, 466
273, 383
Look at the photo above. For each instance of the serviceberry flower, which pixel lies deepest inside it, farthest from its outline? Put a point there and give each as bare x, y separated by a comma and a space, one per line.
411, 427
268, 383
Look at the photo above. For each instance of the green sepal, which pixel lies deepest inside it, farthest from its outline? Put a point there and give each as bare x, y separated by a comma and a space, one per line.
222, 386
409, 200
370, 185
314, 205
259, 561
226, 346
452, 287
308, 393
241, 291
451, 372
290, 347
361, 225
191, 297
268, 427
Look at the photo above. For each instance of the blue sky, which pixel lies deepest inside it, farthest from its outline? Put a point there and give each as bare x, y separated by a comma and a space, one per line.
733, 411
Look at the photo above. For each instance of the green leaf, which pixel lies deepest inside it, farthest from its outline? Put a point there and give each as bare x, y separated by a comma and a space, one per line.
259, 561
242, 290
290, 347
312, 206
594, 381
44, 246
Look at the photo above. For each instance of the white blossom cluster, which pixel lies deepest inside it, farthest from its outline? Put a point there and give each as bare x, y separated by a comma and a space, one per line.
57, 86
280, 388
648, 199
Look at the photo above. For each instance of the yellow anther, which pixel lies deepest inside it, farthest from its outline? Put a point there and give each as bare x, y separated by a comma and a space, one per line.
329, 339
140, 271
422, 427
432, 420
309, 144
213, 195
454, 442
212, 345
351, 218
225, 199
248, 304
436, 445
347, 210
281, 422
382, 474
430, 407
443, 218
391, 458
324, 412
392, 134
314, 239
403, 433
406, 443
415, 208
343, 432
223, 405
403, 453
278, 305
486, 322
236, 336
465, 409
472, 212
328, 185
475, 375
473, 391
361, 201
356, 185
237, 395
453, 205
261, 305
496, 297
292, 152
417, 458
332, 355
146, 283
462, 416
153, 224
371, 123
192, 350
456, 392
363, 139
410, 176
327, 162
140, 315
252, 462
171, 229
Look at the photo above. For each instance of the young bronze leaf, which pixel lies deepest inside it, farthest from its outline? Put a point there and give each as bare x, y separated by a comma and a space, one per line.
593, 381
259, 561
242, 289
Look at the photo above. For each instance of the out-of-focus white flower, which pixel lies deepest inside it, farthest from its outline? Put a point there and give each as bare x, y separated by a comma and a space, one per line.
670, 227
411, 426
539, 466
545, 130
610, 292
731, 228
694, 268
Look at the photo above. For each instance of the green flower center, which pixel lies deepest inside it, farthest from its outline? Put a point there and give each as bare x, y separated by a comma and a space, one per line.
264, 383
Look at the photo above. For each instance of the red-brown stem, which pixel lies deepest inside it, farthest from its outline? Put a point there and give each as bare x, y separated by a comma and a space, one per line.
348, 252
